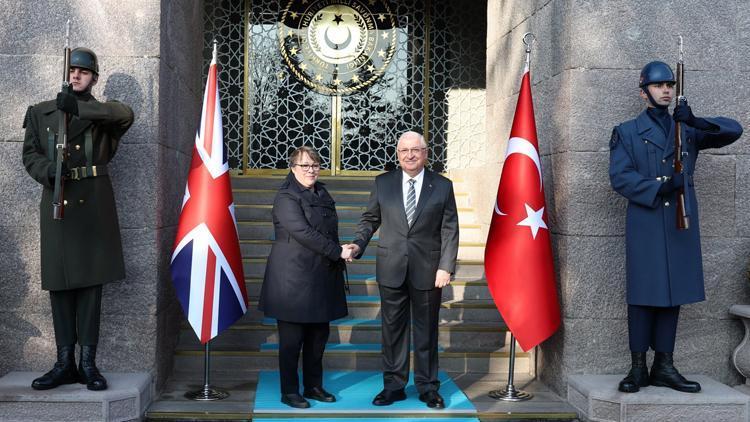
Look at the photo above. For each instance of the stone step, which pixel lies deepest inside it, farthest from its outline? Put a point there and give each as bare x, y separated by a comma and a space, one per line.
262, 247
331, 182
351, 197
465, 269
266, 196
263, 230
330, 347
366, 285
262, 212
239, 406
368, 307
125, 399
249, 334
242, 361
597, 398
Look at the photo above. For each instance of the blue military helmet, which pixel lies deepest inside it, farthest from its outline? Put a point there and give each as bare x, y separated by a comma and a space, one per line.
656, 72
85, 59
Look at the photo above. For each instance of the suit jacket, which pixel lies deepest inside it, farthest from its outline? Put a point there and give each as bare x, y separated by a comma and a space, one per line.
431, 243
304, 279
84, 249
664, 266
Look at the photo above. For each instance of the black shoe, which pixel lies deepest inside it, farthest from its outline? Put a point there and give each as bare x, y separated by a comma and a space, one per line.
638, 375
88, 372
64, 371
387, 397
433, 399
295, 400
664, 374
319, 394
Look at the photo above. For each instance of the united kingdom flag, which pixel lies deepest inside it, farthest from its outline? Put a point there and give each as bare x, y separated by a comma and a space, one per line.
206, 261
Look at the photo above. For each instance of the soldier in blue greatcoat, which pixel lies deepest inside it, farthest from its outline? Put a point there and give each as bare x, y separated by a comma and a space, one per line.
664, 264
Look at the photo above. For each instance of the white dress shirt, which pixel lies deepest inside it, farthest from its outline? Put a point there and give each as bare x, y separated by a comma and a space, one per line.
417, 186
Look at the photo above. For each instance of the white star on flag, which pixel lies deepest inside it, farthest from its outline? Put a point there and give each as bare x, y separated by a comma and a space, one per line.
533, 220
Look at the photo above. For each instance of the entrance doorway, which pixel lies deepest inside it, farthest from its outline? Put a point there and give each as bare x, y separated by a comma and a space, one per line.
427, 54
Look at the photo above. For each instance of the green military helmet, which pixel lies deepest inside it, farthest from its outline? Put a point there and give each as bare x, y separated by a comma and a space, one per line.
85, 59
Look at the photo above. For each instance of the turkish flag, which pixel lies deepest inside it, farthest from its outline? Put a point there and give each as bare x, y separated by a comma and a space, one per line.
518, 255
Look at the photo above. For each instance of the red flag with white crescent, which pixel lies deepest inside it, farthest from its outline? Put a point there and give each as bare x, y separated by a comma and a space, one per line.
518, 255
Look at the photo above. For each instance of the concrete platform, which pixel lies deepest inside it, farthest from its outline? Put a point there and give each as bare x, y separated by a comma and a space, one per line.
597, 399
240, 405
126, 399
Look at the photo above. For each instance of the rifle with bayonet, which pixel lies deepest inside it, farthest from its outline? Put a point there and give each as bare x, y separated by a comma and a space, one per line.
58, 202
683, 220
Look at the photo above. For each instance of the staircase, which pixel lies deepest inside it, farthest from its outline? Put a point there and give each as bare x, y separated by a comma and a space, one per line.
472, 341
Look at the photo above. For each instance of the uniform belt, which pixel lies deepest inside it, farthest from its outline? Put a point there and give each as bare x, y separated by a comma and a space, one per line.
78, 173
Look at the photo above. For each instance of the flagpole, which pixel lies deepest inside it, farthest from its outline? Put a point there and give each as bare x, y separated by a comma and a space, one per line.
207, 392
509, 393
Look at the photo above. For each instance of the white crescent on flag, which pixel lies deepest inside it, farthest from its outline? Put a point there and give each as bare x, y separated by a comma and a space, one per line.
517, 145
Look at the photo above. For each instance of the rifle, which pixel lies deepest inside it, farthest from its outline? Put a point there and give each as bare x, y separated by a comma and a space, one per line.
58, 203
683, 219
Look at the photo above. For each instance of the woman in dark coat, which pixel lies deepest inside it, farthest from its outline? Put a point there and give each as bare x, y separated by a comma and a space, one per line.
303, 287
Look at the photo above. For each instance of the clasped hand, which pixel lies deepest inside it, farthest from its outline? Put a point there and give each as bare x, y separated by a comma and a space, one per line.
348, 252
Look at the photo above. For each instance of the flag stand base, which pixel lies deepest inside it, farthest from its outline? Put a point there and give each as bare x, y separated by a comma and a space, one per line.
207, 393
509, 393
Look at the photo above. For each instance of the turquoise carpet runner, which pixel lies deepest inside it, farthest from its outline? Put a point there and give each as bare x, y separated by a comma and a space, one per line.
354, 391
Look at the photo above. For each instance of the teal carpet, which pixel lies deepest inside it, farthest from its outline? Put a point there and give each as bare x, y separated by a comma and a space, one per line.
354, 391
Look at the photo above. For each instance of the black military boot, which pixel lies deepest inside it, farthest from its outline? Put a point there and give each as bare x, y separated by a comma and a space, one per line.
88, 371
664, 374
638, 375
64, 371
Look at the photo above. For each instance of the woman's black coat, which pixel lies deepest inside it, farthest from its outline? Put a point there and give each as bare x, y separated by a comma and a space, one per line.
304, 279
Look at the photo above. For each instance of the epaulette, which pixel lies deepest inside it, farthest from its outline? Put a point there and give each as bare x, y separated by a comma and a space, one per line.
27, 117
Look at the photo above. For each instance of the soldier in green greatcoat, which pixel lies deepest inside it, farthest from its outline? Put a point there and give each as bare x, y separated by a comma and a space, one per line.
82, 251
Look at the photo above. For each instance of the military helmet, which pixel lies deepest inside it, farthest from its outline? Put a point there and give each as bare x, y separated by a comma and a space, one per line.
656, 72
84, 58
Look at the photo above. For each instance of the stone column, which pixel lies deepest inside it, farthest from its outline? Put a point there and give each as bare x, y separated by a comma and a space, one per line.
584, 79
150, 58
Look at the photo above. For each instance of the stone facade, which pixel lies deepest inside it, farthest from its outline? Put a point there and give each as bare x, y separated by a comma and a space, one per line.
150, 58
585, 69
584, 72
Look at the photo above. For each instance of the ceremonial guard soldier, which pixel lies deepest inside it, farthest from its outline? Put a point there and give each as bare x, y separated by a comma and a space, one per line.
664, 264
81, 248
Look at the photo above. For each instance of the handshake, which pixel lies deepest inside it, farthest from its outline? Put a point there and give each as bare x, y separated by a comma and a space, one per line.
348, 252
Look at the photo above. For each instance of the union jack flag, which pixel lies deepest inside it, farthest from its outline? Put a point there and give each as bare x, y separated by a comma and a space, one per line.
206, 261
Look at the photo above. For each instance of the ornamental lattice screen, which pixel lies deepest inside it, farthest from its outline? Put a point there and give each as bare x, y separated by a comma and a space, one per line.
268, 112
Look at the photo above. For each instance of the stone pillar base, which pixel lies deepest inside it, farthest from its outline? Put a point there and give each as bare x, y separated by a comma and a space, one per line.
126, 399
597, 398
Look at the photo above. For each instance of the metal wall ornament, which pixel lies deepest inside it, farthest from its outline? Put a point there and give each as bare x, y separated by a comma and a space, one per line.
337, 47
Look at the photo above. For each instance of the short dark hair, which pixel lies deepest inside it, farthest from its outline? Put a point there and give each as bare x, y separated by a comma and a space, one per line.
297, 153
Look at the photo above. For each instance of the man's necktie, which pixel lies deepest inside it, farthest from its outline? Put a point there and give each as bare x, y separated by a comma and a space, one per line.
411, 202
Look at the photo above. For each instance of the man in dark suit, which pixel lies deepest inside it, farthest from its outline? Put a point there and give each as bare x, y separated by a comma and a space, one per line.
415, 210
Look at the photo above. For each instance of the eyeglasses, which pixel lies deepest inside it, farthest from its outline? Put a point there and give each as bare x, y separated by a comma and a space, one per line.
307, 167
411, 150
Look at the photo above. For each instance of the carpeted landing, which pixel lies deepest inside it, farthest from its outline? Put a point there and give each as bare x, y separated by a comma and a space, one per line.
354, 391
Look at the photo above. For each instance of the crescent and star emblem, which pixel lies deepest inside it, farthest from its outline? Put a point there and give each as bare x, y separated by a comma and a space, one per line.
338, 47
533, 220
335, 45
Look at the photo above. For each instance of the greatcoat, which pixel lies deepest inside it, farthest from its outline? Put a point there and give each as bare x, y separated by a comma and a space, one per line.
84, 249
304, 281
663, 264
